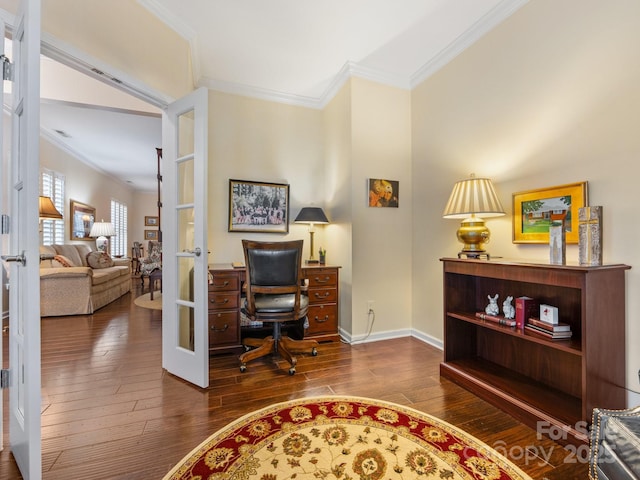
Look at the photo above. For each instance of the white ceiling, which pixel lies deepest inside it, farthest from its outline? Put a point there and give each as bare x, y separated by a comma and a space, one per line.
293, 51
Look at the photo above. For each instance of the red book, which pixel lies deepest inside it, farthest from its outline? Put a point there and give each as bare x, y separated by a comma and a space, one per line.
509, 322
526, 307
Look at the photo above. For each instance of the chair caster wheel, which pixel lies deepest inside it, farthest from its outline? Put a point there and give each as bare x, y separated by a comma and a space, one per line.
292, 371
243, 368
314, 352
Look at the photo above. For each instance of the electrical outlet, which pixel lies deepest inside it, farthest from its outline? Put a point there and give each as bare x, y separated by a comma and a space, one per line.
369, 306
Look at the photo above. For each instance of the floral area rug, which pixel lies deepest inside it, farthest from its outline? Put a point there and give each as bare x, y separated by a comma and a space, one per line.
347, 438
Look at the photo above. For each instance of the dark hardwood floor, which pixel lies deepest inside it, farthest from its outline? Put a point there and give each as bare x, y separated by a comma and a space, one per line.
109, 411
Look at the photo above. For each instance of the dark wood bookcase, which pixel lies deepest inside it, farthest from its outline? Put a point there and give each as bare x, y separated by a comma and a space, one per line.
556, 382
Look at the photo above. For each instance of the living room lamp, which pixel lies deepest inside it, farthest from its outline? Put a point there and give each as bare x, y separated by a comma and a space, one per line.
102, 230
47, 210
312, 216
472, 200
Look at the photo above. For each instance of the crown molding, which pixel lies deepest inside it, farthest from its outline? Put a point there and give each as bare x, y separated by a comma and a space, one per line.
490, 20
350, 69
260, 93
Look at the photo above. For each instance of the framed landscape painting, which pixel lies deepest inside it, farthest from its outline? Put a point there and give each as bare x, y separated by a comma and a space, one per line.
535, 210
258, 207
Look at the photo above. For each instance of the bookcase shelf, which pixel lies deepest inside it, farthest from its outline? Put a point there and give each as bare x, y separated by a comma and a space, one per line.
572, 345
533, 378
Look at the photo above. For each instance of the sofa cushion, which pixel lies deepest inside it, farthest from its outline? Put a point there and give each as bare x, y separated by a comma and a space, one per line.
83, 250
71, 252
105, 275
99, 260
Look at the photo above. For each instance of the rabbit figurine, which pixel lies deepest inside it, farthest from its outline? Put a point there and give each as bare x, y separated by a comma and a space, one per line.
508, 309
492, 308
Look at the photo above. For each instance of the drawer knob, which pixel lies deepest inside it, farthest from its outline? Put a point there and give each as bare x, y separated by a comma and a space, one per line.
224, 284
321, 280
226, 300
318, 295
321, 320
226, 325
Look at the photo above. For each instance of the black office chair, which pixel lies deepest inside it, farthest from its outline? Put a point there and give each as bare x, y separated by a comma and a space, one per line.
274, 294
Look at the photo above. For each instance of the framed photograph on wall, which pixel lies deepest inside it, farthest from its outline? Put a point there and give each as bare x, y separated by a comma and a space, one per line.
82, 218
151, 234
383, 193
535, 210
258, 207
150, 221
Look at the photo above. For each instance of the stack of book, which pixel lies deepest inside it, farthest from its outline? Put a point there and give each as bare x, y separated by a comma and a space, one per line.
552, 331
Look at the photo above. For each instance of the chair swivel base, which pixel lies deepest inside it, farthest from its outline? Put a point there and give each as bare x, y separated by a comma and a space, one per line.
285, 346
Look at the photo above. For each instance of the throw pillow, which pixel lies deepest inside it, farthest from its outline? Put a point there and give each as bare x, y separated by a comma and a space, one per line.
99, 260
61, 261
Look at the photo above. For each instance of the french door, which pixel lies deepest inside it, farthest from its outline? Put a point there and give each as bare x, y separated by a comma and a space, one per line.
185, 330
23, 253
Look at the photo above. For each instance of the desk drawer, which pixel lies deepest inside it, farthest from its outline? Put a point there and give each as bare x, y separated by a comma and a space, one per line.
223, 301
322, 278
322, 295
322, 319
224, 283
223, 328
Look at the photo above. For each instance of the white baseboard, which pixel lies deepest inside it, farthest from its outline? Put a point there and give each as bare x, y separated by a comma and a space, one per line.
373, 337
389, 334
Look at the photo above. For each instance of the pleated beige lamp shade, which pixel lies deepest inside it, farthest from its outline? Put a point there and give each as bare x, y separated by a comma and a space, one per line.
472, 200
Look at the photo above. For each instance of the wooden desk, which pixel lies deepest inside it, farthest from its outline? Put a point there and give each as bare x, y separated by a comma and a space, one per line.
225, 291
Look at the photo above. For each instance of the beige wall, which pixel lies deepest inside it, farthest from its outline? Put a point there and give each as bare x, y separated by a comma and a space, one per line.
126, 36
381, 148
85, 184
338, 173
262, 141
123, 35
549, 97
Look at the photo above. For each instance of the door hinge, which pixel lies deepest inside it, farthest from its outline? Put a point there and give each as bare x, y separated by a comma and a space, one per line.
7, 68
5, 224
4, 379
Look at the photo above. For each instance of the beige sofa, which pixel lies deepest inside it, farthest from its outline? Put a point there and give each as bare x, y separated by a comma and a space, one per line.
76, 281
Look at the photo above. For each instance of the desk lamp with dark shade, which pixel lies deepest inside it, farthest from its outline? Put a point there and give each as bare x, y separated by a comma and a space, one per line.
102, 230
312, 216
472, 200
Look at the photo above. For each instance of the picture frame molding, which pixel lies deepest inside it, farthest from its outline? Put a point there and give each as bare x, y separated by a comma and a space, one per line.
78, 211
252, 222
579, 198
